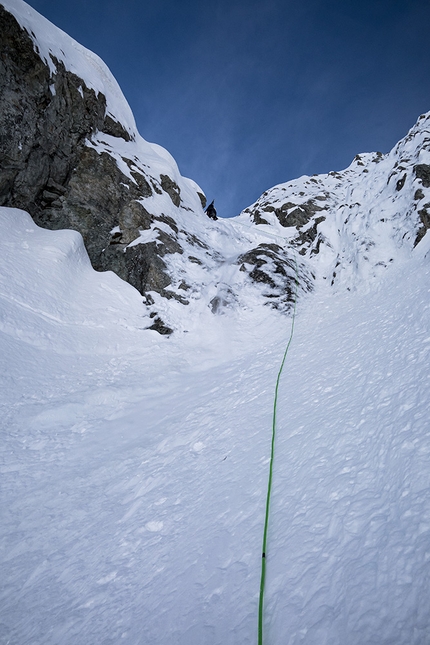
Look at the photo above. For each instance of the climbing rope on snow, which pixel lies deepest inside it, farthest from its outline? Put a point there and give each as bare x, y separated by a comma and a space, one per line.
269, 485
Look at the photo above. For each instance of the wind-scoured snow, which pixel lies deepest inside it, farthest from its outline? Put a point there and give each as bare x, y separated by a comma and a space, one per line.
52, 297
134, 466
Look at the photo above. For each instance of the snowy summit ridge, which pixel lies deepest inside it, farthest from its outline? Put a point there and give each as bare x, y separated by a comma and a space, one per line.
53, 45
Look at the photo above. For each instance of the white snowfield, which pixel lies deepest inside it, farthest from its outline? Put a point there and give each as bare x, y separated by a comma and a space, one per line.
134, 466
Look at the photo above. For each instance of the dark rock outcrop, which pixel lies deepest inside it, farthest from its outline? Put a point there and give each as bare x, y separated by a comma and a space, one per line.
424, 214
299, 216
171, 188
270, 266
422, 171
48, 169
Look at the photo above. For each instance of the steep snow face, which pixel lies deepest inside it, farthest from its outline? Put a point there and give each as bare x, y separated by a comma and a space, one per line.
351, 225
134, 466
51, 297
344, 229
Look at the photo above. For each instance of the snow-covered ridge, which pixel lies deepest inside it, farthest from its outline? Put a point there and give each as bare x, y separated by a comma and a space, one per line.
351, 225
51, 41
345, 229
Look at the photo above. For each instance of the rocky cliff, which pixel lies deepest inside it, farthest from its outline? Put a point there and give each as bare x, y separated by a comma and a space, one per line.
70, 163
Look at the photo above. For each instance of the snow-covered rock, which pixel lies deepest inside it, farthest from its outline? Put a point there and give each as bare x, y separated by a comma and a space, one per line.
351, 225
72, 157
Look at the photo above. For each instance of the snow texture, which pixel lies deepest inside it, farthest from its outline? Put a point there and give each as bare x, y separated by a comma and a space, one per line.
134, 466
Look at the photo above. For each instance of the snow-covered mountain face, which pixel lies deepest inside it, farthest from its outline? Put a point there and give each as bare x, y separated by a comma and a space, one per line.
72, 157
134, 465
351, 225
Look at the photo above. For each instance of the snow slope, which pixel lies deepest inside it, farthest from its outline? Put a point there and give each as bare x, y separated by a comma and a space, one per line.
134, 466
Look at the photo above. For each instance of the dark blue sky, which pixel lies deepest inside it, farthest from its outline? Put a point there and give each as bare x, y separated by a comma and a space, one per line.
247, 94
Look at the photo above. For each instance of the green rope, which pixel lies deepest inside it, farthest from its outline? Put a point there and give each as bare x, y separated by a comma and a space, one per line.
269, 486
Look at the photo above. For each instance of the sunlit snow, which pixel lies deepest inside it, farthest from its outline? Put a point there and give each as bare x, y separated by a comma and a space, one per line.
134, 466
